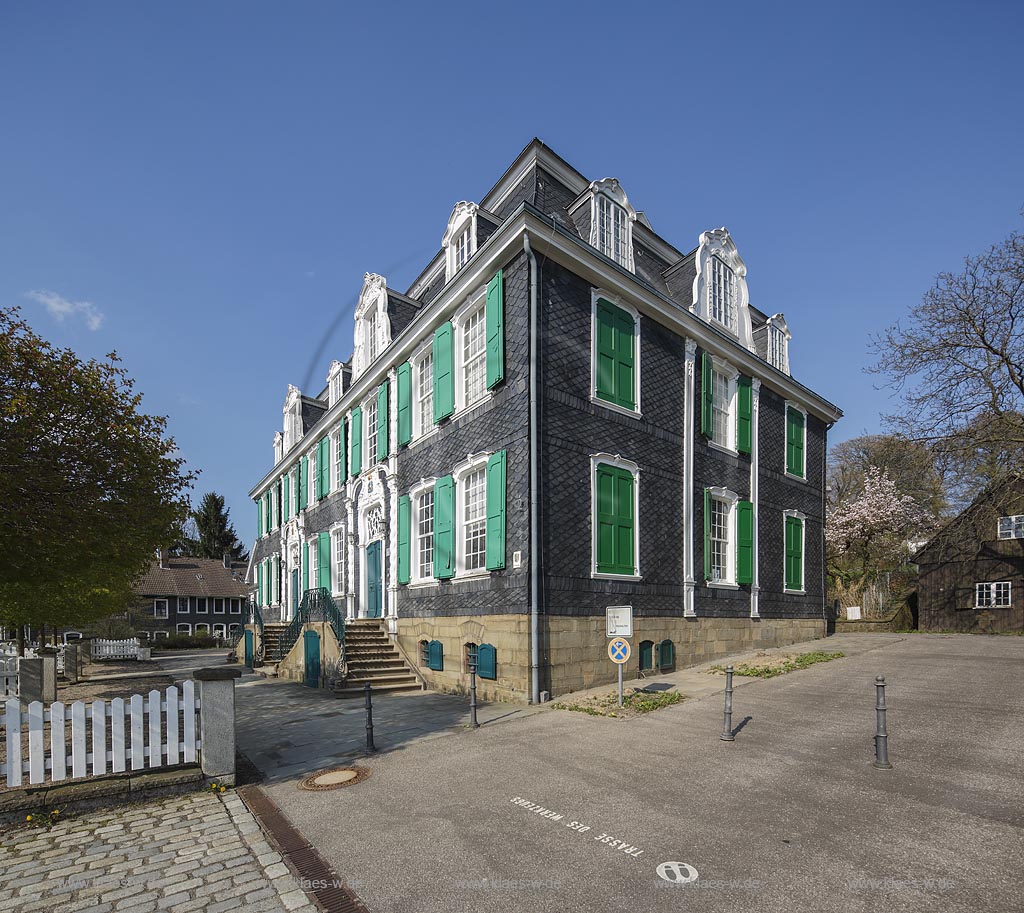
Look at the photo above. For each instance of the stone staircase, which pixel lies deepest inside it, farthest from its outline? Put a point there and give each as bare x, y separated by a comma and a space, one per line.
373, 658
272, 634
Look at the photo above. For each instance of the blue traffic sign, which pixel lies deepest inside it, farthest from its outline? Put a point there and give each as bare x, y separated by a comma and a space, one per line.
618, 650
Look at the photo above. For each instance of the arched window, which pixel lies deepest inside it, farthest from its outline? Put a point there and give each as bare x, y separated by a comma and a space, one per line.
666, 656
720, 293
646, 655
424, 652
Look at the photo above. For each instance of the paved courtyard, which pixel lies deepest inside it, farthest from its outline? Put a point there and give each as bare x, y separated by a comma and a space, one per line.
561, 811
200, 852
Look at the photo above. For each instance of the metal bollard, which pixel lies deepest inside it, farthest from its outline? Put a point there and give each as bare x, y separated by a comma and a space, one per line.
727, 733
369, 719
472, 693
881, 736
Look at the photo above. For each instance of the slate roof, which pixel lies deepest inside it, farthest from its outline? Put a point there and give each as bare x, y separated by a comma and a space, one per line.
193, 577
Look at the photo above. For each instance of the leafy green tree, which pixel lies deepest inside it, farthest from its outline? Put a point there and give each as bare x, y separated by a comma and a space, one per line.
90, 485
209, 532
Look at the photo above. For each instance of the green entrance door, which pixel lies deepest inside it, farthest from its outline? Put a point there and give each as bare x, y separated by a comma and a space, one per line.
374, 584
312, 648
295, 592
248, 649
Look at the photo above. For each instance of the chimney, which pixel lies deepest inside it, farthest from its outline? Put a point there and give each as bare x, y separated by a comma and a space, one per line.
227, 560
160, 557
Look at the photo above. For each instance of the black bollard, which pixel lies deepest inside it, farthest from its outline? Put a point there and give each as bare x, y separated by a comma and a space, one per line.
369, 720
881, 736
472, 692
727, 733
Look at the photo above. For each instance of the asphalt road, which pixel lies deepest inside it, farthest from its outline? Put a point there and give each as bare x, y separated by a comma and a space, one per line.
789, 817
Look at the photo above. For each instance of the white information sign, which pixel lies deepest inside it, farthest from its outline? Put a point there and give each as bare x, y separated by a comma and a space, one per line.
619, 620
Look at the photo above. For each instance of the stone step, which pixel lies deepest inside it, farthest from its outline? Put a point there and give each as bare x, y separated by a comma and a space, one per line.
374, 678
347, 690
357, 666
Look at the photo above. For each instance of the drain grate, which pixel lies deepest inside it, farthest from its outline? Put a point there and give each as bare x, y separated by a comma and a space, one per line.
335, 778
331, 894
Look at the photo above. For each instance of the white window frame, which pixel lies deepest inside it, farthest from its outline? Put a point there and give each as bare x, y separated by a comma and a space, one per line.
420, 428
472, 463
609, 194
223, 605
731, 499
416, 495
474, 303
314, 555
731, 375
336, 463
803, 548
722, 290
637, 373
992, 590
372, 329
157, 610
235, 607
777, 348
370, 437
334, 381
205, 602
1014, 526
463, 219
785, 440
337, 534
160, 635
616, 460
179, 609
202, 627
186, 626
220, 629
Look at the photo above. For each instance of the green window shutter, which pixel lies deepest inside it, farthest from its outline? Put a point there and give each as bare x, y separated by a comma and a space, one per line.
615, 521
287, 491
794, 553
323, 561
615, 368
404, 537
744, 542
487, 661
404, 404
444, 372
303, 482
794, 442
496, 511
495, 325
343, 444
355, 427
444, 528
707, 395
323, 468
382, 421
304, 576
744, 414
707, 533
435, 656
259, 584
267, 512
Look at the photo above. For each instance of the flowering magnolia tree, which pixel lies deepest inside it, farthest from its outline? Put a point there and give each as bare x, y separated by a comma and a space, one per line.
869, 530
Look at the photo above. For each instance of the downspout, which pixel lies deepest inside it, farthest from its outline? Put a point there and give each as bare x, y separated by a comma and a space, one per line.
534, 487
824, 542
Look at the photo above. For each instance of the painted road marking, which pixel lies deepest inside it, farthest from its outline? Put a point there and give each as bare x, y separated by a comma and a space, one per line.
677, 872
612, 842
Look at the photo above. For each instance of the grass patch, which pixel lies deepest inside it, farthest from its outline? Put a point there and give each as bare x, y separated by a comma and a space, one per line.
779, 665
633, 704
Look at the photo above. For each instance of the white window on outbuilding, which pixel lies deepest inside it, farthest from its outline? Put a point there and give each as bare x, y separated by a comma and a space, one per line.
992, 595
1011, 527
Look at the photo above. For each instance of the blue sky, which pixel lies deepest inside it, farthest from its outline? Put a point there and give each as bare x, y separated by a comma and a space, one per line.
202, 186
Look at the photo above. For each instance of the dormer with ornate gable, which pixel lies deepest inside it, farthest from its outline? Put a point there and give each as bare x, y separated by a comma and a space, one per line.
460, 238
373, 326
605, 218
292, 418
720, 294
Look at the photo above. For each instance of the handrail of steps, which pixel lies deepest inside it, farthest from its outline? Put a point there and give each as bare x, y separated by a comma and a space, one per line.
316, 605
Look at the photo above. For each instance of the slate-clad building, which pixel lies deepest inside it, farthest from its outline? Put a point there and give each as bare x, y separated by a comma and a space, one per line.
564, 412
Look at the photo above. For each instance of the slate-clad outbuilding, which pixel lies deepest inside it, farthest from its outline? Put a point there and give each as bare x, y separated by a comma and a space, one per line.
562, 413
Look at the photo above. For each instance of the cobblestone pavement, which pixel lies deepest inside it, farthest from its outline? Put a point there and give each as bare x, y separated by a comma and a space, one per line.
199, 852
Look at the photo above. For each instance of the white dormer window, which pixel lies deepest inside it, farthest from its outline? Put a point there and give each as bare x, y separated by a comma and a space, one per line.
292, 418
278, 446
722, 292
612, 218
778, 343
372, 337
459, 241
373, 327
334, 386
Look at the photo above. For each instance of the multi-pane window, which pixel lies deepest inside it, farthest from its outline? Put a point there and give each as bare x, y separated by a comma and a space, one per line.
474, 505
425, 393
370, 411
474, 357
182, 605
339, 456
236, 606
1011, 527
612, 232
337, 562
425, 535
463, 249
372, 341
184, 629
992, 595
720, 529
159, 608
722, 292
335, 391
777, 355
721, 409
201, 605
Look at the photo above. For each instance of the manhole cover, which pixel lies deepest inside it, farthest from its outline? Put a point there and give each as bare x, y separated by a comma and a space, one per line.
335, 778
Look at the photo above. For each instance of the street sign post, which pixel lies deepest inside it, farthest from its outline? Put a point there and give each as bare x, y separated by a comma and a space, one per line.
619, 650
618, 620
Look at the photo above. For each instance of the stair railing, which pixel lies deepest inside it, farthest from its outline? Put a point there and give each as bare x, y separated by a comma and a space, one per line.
316, 605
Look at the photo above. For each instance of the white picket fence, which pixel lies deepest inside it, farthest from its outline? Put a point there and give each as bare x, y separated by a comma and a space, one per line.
115, 649
154, 730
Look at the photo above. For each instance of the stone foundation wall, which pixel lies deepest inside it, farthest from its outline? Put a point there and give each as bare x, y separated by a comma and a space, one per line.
293, 666
509, 634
